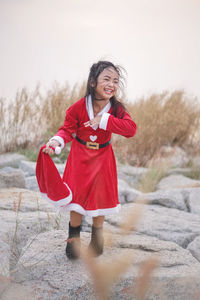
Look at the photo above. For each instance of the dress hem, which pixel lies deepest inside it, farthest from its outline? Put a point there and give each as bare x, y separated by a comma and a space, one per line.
92, 213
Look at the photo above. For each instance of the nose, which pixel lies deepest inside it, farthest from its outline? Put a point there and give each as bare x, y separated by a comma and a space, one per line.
111, 83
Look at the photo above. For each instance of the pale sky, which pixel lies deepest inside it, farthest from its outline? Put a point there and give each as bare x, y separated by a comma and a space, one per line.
156, 41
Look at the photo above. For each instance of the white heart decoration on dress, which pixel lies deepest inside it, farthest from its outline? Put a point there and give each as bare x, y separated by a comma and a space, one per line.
93, 138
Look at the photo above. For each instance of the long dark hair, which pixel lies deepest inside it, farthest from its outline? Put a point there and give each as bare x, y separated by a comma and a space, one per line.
95, 71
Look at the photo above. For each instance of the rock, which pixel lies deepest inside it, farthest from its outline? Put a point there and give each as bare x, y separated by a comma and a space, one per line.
193, 197
31, 183
184, 286
48, 268
11, 160
14, 291
130, 174
51, 273
17, 229
33, 237
194, 248
167, 198
177, 182
28, 167
8, 169
172, 156
26, 224
179, 171
164, 223
196, 161
4, 259
24, 214
29, 201
9, 179
169, 253
187, 199
126, 193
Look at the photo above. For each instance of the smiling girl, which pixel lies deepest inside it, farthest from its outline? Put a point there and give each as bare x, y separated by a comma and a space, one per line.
91, 168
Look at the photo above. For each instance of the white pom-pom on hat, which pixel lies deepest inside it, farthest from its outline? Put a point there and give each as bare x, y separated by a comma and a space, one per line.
57, 150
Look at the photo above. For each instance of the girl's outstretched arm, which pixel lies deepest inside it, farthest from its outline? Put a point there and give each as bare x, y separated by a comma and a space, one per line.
65, 133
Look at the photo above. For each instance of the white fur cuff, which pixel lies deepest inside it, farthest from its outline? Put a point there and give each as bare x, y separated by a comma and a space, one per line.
59, 140
104, 121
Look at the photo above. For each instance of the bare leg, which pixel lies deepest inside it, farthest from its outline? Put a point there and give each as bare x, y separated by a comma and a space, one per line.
97, 240
75, 219
98, 221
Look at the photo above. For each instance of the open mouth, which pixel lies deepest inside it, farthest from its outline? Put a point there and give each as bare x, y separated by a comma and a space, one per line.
108, 91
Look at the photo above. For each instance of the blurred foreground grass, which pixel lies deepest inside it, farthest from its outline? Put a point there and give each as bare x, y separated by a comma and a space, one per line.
167, 119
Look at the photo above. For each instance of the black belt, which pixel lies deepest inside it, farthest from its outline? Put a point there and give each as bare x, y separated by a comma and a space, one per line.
92, 145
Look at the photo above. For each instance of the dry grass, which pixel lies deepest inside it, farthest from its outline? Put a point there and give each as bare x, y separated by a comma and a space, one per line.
57, 101
105, 274
31, 118
20, 122
143, 280
162, 119
152, 177
194, 173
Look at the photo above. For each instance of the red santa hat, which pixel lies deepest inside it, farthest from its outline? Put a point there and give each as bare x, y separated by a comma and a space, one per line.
50, 182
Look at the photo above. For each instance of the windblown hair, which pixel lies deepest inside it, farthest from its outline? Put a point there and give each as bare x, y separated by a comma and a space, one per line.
95, 71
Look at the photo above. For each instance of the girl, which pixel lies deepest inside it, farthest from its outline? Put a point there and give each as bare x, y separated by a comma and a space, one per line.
91, 169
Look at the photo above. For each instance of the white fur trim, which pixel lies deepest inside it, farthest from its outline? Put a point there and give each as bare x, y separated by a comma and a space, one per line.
89, 107
59, 140
61, 202
92, 213
104, 121
90, 111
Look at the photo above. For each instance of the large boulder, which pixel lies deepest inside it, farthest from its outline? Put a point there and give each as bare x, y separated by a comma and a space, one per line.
24, 214
164, 223
15, 291
5, 259
196, 161
187, 199
172, 156
48, 268
194, 248
10, 177
31, 183
11, 160
130, 174
126, 193
25, 200
44, 265
167, 198
177, 182
193, 199
28, 167
179, 171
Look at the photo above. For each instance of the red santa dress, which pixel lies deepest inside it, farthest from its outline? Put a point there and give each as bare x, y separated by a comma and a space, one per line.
91, 174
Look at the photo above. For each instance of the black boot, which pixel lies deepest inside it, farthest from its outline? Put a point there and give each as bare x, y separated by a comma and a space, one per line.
73, 242
97, 241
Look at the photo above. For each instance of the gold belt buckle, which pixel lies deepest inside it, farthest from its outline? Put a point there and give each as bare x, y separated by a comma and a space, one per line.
91, 145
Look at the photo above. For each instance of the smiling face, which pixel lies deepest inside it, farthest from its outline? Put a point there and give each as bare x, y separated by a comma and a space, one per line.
107, 84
